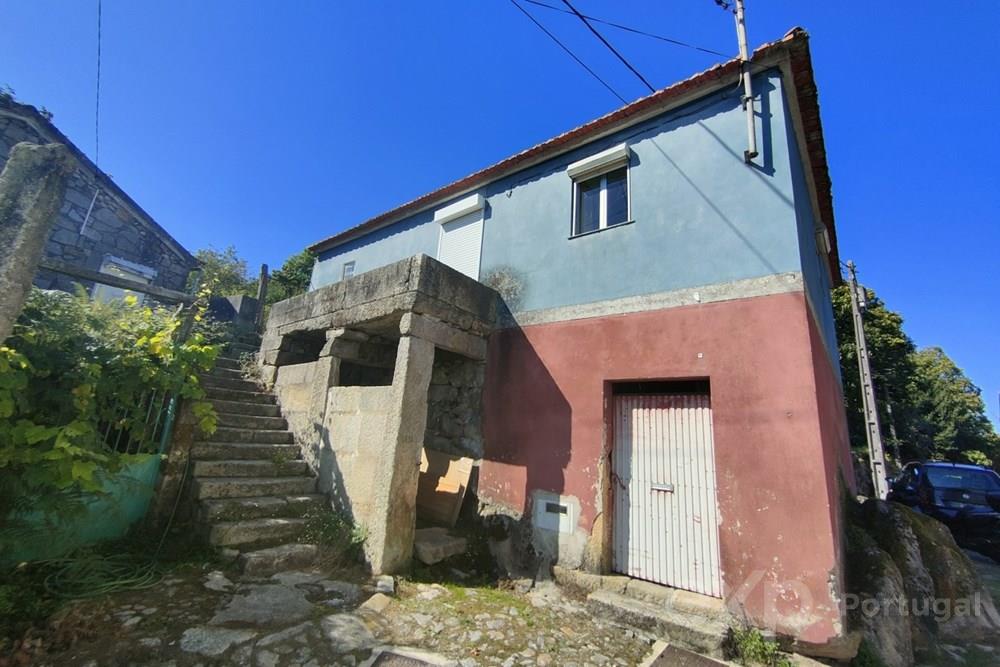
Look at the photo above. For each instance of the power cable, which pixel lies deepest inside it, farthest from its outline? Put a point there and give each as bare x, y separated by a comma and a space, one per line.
97, 109
608, 44
567, 50
635, 31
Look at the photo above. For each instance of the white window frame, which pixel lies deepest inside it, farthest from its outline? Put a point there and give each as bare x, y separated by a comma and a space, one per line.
347, 270
600, 165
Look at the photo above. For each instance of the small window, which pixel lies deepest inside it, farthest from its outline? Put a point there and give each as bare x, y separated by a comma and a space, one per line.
600, 190
601, 201
348, 271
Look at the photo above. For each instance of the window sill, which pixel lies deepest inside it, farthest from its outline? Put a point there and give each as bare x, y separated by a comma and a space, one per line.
598, 231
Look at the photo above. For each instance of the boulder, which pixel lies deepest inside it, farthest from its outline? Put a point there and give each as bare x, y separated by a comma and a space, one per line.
911, 586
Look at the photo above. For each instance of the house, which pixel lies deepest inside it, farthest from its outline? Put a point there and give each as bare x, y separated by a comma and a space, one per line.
658, 395
99, 228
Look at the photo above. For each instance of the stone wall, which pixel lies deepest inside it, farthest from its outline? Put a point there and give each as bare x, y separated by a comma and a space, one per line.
117, 226
454, 410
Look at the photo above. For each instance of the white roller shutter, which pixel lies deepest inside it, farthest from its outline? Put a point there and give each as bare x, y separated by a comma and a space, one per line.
461, 243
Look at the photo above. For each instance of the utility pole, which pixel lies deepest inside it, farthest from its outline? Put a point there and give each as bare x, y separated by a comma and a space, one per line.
741, 36
873, 430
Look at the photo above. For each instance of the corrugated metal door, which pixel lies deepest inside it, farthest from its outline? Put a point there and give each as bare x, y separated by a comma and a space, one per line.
461, 243
666, 525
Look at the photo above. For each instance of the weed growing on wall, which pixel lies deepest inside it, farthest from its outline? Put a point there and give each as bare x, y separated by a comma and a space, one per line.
749, 647
74, 368
340, 541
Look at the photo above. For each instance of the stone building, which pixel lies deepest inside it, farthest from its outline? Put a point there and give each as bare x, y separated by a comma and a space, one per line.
99, 226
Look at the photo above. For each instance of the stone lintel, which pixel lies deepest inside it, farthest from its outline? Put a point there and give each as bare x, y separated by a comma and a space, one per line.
443, 335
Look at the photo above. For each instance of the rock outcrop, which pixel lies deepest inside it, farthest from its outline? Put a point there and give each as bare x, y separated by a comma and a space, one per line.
911, 586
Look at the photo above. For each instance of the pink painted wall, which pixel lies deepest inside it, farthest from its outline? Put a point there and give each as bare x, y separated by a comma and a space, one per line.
776, 429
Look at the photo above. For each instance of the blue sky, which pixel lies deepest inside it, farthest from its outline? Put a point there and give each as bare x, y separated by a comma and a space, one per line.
272, 124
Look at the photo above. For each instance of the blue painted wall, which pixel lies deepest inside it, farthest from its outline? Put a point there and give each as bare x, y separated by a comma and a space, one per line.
701, 216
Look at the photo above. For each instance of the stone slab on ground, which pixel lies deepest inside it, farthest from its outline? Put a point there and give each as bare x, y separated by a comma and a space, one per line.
210, 641
347, 633
264, 604
433, 545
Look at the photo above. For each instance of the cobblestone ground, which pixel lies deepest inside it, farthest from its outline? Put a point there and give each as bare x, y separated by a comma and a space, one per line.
310, 619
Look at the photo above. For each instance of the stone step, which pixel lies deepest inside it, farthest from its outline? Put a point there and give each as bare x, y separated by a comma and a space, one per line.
224, 372
267, 507
237, 383
231, 420
229, 363
240, 408
250, 435
250, 468
223, 451
265, 562
689, 631
237, 350
218, 393
252, 487
255, 532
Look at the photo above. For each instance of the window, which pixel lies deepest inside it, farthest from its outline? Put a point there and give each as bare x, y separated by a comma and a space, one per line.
122, 268
348, 271
600, 190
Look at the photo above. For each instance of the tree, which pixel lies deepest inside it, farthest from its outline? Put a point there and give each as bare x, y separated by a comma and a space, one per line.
952, 422
936, 411
292, 278
225, 272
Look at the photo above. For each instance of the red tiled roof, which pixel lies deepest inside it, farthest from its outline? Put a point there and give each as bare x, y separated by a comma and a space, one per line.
795, 43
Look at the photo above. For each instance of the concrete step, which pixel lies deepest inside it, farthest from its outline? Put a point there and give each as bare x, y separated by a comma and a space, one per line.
223, 451
250, 435
240, 408
265, 562
237, 383
231, 420
252, 487
250, 468
689, 631
255, 532
267, 507
218, 393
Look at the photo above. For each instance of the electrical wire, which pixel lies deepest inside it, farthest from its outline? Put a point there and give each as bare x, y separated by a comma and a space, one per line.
567, 50
636, 31
610, 48
97, 109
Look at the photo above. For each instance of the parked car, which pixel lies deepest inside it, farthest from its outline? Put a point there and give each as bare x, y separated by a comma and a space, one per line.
964, 497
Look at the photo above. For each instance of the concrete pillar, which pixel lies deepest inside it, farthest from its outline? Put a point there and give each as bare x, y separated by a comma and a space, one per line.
389, 544
32, 187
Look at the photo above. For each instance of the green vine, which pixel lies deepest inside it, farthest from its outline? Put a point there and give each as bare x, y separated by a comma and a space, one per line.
74, 370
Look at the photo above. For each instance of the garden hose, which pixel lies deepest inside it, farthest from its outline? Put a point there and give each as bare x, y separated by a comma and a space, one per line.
91, 575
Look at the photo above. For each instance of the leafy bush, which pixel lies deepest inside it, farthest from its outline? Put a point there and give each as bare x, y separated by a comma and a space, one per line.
749, 647
74, 369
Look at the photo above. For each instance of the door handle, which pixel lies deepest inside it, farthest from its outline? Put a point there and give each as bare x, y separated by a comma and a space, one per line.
667, 488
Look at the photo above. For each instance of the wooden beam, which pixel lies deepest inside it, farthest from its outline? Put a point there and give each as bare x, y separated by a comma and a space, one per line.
161, 293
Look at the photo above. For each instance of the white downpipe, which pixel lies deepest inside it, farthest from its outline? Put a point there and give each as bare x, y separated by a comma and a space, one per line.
90, 209
741, 35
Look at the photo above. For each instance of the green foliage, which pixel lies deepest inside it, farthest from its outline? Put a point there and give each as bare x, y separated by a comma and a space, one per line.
72, 370
749, 647
937, 412
225, 273
340, 540
292, 278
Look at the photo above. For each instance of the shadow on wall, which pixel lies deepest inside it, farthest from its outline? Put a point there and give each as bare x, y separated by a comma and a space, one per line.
528, 435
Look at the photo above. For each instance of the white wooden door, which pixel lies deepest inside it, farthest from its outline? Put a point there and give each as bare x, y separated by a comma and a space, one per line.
461, 243
666, 522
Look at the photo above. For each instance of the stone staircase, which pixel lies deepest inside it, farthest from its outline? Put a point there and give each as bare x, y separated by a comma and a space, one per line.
250, 484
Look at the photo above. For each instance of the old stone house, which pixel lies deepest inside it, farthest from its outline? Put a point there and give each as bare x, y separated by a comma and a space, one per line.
99, 226
651, 387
